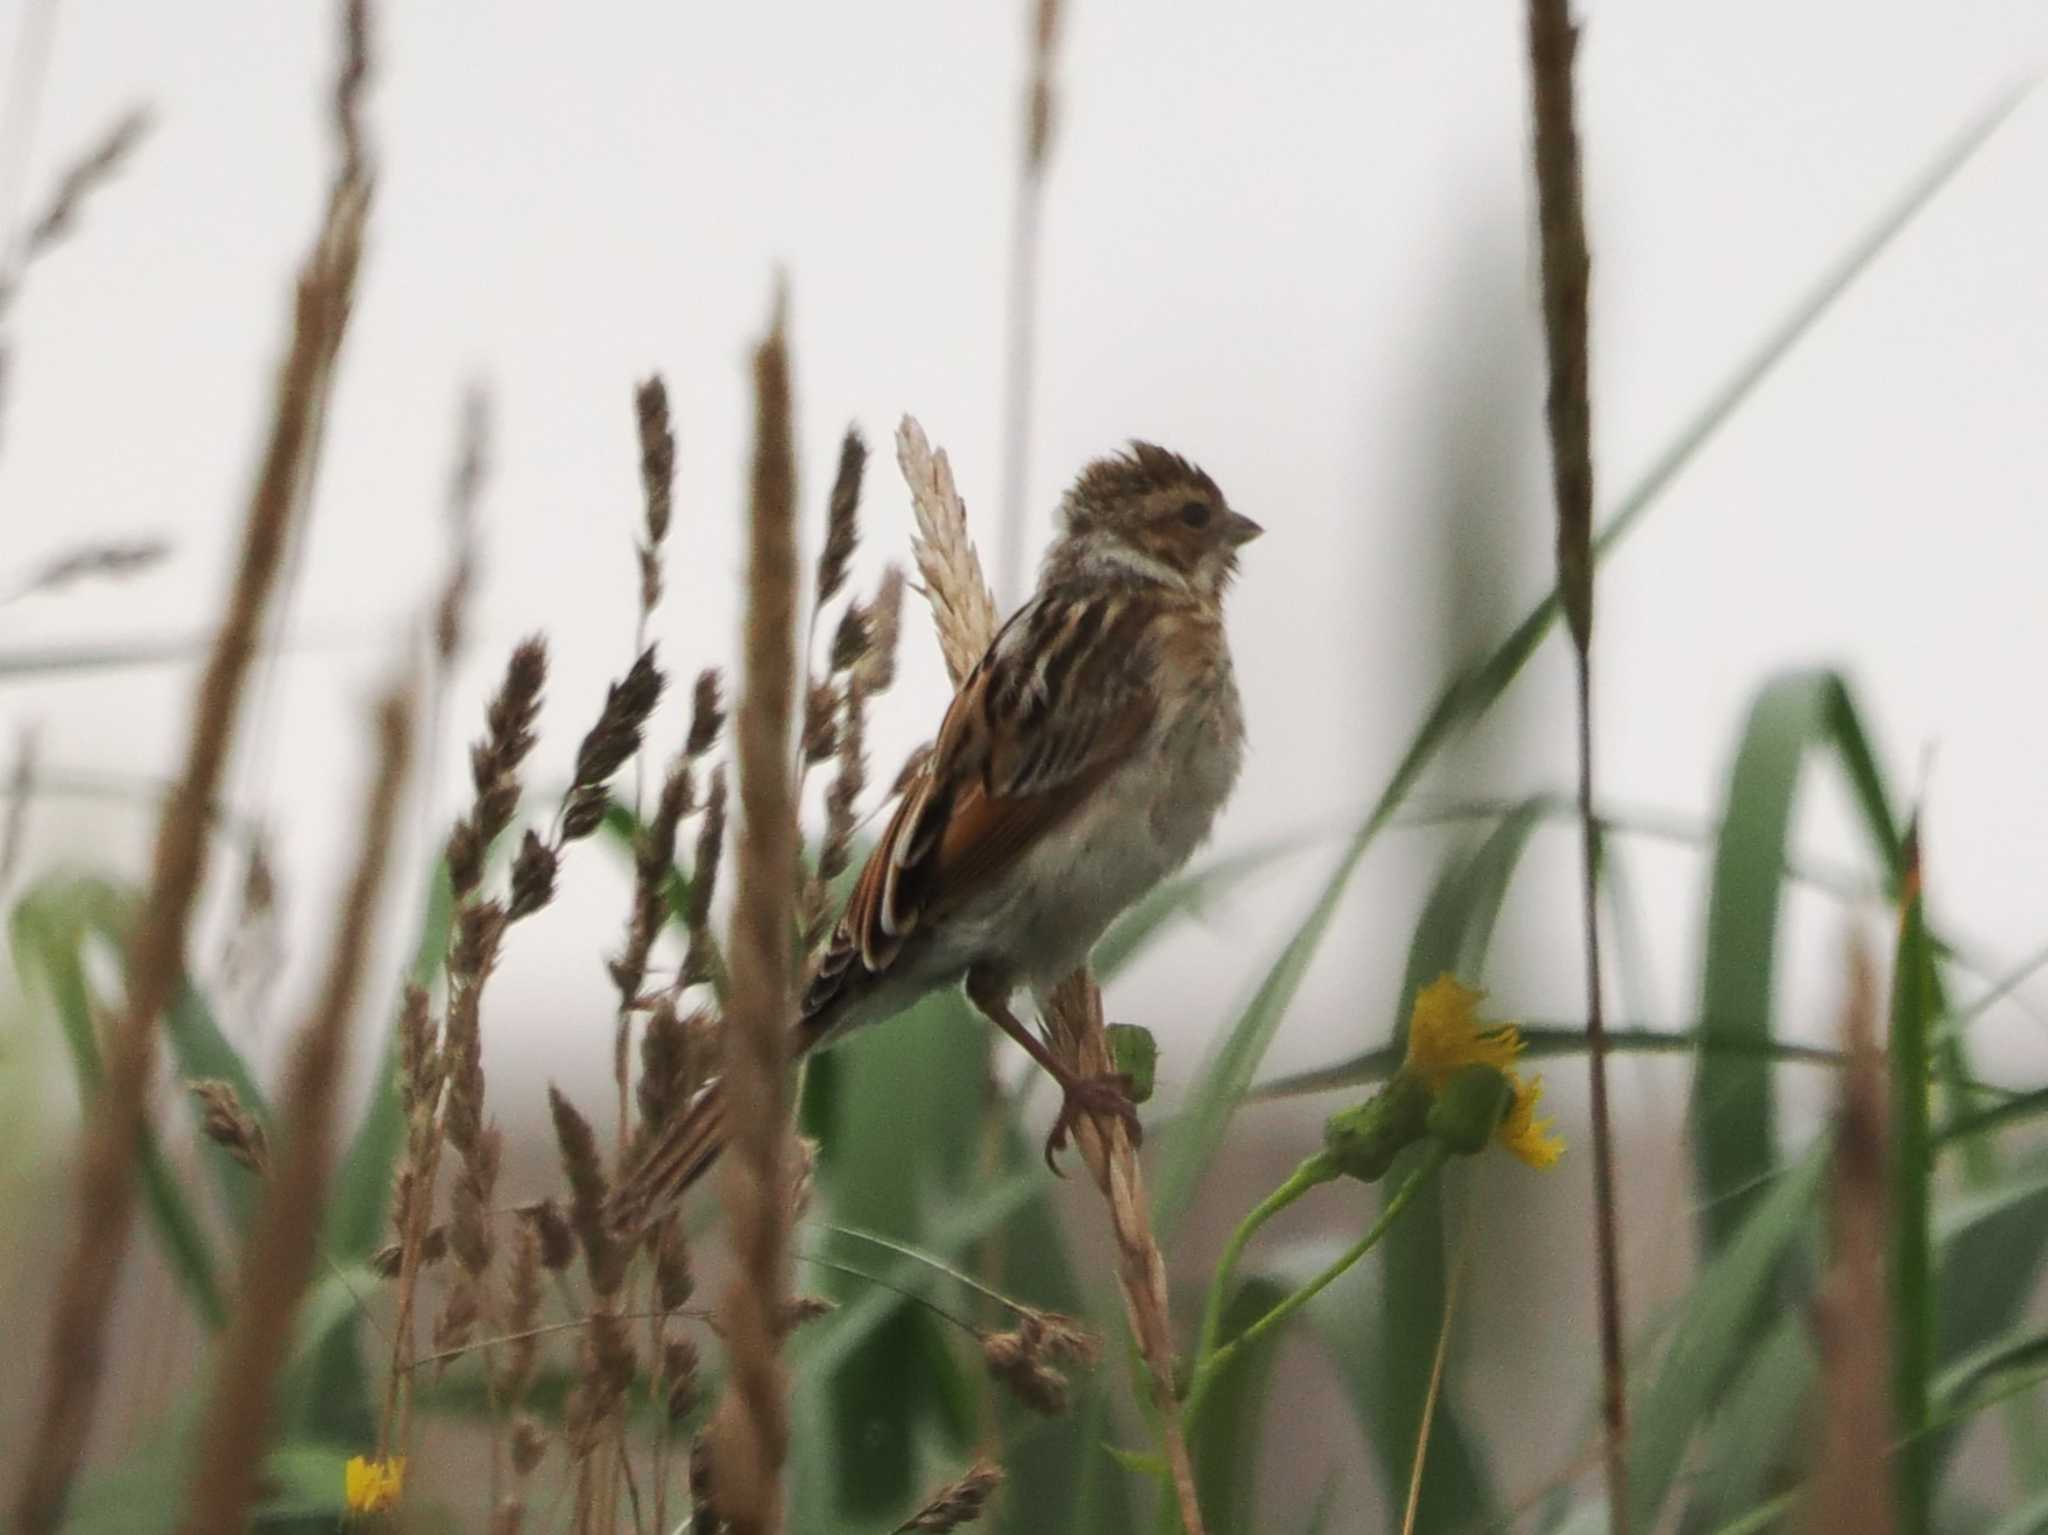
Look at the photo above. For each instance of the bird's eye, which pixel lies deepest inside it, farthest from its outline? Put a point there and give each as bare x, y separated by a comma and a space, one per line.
1195, 514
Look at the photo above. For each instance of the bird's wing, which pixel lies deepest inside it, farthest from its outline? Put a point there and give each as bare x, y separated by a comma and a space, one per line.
1064, 695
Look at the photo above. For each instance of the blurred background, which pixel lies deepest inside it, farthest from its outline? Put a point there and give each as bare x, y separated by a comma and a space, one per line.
1293, 243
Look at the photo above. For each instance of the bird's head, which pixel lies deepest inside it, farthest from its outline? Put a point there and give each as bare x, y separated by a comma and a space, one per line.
1153, 515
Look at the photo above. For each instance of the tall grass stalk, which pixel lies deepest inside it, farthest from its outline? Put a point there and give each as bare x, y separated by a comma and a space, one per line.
106, 1192
1561, 228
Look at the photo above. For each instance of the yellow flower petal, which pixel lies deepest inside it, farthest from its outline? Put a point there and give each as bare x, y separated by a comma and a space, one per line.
1444, 1036
1534, 1140
373, 1486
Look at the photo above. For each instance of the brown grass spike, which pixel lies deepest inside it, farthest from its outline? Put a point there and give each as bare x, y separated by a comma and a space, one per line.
279, 1258
750, 1434
1561, 230
106, 1195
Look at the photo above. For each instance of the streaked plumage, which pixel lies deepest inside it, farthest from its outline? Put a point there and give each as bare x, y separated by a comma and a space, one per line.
1084, 759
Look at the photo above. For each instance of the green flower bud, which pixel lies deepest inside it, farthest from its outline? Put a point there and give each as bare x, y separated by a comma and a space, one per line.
1362, 1142
1470, 1108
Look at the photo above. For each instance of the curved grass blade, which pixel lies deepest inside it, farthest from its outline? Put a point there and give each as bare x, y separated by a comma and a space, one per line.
48, 934
1734, 1114
1473, 690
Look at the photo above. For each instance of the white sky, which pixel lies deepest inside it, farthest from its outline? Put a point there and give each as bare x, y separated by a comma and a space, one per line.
1288, 241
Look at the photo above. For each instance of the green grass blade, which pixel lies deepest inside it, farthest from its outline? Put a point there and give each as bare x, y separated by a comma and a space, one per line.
1795, 716
1469, 694
1226, 1442
48, 934
1757, 1441
1911, 1259
1717, 1328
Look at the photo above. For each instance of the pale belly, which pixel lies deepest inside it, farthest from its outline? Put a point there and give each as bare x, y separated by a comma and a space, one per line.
1140, 827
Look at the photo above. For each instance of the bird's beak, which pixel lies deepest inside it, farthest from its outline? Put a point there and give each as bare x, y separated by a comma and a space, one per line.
1239, 529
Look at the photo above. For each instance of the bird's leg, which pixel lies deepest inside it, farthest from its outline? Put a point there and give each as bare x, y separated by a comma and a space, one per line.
1108, 1094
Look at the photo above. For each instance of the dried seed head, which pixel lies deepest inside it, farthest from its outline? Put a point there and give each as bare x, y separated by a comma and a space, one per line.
707, 715
657, 482
673, 1282
494, 764
1025, 1358
606, 1371
710, 843
963, 608
80, 179
390, 1258
852, 640
469, 1206
604, 1258
877, 669
419, 1055
842, 516
529, 1444
821, 723
664, 1068
522, 1314
616, 735
226, 1122
957, 1503
842, 798
557, 1240
457, 1319
533, 876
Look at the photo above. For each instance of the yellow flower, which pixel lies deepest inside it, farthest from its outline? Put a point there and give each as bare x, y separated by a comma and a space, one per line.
374, 1485
1534, 1140
1444, 1037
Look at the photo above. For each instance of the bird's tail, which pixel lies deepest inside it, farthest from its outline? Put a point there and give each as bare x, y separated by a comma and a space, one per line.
681, 1154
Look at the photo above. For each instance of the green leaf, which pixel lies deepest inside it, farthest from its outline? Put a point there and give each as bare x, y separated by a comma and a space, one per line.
1734, 1103
1757, 1441
49, 931
1474, 689
1227, 1439
1716, 1327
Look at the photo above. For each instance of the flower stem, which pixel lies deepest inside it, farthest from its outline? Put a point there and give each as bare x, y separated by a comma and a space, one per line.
1313, 1171
1212, 1360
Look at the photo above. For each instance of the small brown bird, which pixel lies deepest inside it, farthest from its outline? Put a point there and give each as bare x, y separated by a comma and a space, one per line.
1082, 761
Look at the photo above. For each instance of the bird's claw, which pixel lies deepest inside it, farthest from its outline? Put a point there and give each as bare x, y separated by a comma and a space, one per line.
1106, 1095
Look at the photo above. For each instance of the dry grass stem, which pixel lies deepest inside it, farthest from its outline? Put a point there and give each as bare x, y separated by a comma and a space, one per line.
1853, 1483
1075, 1024
90, 1270
750, 1434
281, 1249
1561, 230
1025, 240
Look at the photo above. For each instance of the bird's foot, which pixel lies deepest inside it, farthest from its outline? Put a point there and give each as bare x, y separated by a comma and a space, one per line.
1103, 1096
